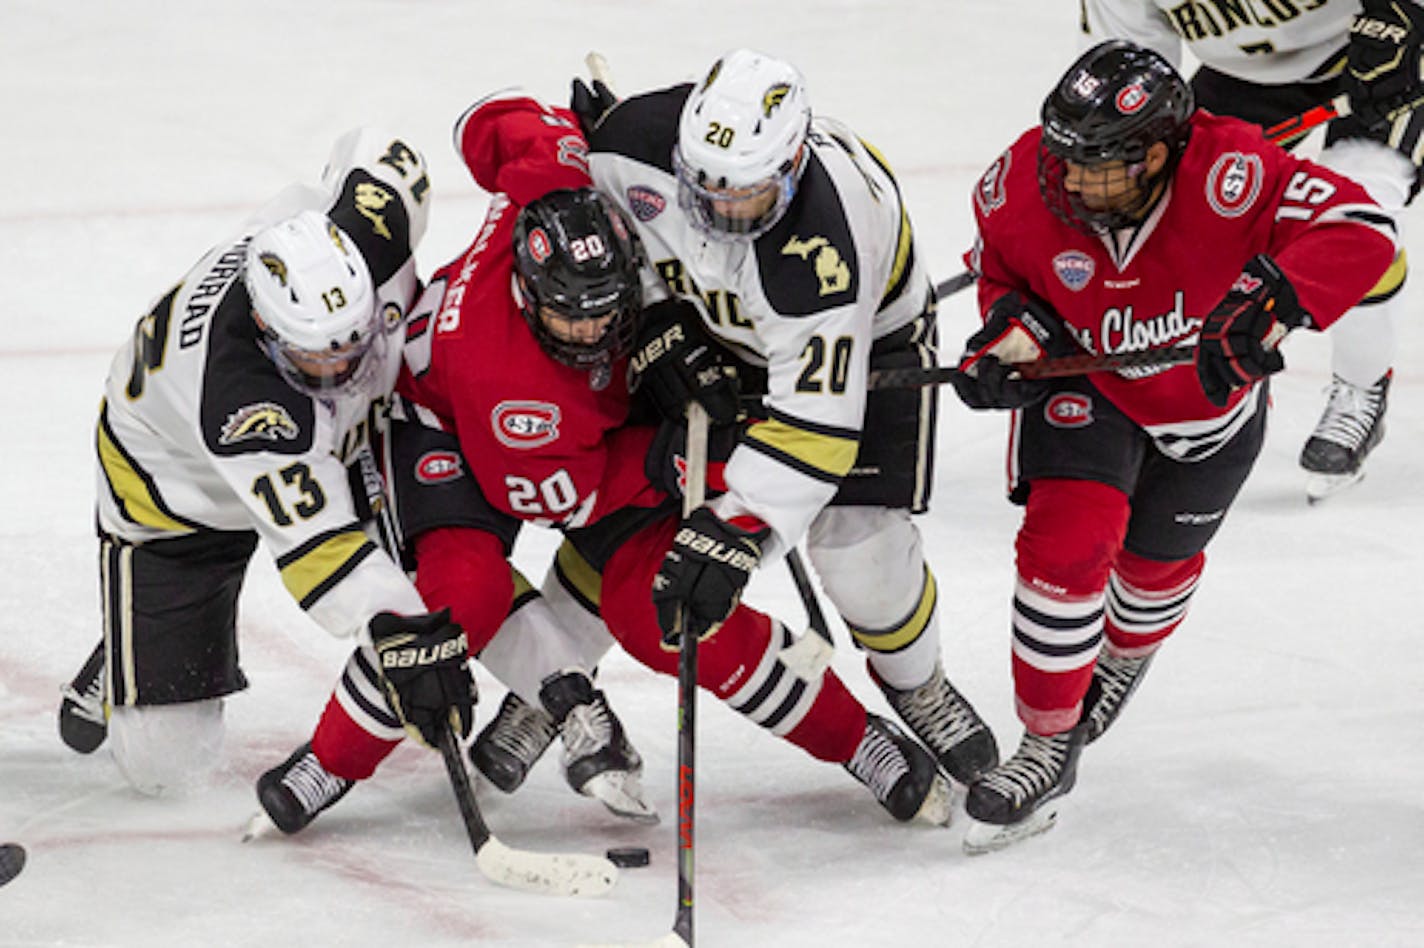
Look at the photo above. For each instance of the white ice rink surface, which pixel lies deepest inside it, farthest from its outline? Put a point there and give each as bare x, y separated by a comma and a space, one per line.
1265, 788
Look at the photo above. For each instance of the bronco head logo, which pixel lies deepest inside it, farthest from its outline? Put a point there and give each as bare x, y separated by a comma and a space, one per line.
262, 420
275, 266
772, 97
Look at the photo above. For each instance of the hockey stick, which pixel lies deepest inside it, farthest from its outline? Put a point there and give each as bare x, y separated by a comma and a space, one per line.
954, 284
1057, 367
810, 655
547, 873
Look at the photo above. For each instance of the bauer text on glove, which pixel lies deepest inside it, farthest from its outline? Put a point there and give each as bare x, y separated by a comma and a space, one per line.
703, 575
425, 670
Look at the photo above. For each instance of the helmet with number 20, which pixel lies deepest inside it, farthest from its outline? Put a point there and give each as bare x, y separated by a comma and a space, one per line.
740, 145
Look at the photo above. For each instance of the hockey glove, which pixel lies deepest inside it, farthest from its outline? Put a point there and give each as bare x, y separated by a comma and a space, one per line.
666, 460
704, 573
1016, 329
674, 362
1238, 344
1383, 75
426, 672
591, 105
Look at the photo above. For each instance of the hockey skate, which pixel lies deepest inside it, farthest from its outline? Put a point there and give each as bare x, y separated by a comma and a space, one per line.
598, 760
83, 716
1115, 678
1020, 798
508, 747
294, 792
1350, 428
947, 724
901, 774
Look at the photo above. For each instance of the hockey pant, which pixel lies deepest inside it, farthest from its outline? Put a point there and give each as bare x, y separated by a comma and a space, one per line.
872, 566
1363, 340
739, 663
1076, 586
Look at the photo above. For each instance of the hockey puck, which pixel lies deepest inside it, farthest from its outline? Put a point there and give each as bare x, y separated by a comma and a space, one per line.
12, 860
628, 857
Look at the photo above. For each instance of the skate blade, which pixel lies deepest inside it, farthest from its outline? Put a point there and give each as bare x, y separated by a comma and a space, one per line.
621, 792
984, 838
938, 806
258, 826
1320, 487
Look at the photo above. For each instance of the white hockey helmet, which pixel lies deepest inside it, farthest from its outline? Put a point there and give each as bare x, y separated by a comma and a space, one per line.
313, 301
740, 139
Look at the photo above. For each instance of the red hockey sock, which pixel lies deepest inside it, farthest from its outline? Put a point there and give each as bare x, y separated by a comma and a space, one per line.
344, 748
1147, 599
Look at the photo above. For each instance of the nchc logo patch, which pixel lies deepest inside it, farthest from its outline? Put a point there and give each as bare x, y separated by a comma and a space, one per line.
1074, 269
645, 202
260, 421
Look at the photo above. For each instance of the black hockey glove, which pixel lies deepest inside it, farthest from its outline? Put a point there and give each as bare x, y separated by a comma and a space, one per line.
591, 105
666, 461
1383, 74
426, 672
1238, 344
1016, 329
704, 573
674, 362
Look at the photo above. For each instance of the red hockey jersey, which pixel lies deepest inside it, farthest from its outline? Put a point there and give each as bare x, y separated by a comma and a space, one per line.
542, 444
1232, 196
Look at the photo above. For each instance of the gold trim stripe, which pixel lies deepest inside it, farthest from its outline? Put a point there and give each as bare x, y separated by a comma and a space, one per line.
318, 566
900, 636
815, 452
133, 490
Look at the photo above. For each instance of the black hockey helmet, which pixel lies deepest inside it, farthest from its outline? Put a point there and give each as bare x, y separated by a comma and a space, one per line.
1112, 104
576, 260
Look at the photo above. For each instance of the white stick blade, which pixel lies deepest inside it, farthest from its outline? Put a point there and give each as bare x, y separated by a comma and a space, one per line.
569, 874
808, 657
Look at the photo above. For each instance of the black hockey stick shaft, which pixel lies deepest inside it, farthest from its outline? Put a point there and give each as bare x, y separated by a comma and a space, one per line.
475, 827
812, 604
954, 284
692, 498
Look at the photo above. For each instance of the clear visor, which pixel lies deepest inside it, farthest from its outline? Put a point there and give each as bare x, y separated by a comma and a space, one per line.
732, 212
348, 370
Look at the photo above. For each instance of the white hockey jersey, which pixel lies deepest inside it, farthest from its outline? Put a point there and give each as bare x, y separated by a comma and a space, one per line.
198, 431
805, 300
1271, 42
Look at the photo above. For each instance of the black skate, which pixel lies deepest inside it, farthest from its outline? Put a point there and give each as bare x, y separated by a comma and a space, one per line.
947, 724
83, 717
1115, 678
1350, 428
1019, 798
900, 773
598, 760
508, 747
295, 791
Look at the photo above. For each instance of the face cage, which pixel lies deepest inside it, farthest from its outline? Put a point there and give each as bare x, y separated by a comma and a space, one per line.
1070, 207
616, 341
360, 376
699, 202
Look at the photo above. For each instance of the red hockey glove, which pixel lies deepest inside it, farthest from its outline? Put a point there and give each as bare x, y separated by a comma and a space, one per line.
1016, 329
1238, 343
704, 573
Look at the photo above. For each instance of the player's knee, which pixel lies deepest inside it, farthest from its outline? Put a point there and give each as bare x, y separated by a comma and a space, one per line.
1072, 531
167, 748
1159, 576
870, 561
